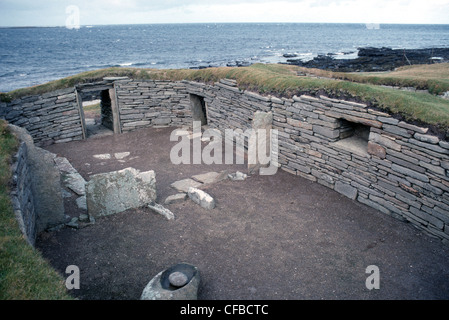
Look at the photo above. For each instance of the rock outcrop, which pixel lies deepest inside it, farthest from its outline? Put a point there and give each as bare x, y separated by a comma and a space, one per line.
376, 59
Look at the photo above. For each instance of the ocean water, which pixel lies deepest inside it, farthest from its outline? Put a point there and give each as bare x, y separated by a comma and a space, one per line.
31, 56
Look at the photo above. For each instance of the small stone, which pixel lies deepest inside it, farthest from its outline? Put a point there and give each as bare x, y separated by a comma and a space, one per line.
238, 176
81, 203
161, 210
121, 155
83, 217
178, 279
179, 197
73, 223
202, 198
103, 156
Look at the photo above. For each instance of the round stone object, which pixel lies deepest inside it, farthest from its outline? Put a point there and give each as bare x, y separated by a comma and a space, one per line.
178, 279
164, 286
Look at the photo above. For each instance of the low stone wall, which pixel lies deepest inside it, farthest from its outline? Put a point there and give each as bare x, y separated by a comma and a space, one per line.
49, 118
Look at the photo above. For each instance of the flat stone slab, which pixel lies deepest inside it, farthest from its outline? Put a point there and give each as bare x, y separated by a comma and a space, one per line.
202, 198
117, 191
121, 155
103, 156
210, 177
156, 207
179, 197
75, 182
185, 184
64, 165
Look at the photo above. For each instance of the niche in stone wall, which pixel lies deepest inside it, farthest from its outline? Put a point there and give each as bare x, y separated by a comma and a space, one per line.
199, 109
353, 137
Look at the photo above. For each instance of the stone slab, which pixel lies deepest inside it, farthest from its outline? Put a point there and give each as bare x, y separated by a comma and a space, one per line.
114, 192
176, 198
160, 209
210, 177
185, 184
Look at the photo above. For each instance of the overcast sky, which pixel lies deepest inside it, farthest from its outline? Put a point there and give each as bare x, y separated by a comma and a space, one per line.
97, 12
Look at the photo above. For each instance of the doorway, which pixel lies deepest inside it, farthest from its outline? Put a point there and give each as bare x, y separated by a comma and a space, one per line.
96, 105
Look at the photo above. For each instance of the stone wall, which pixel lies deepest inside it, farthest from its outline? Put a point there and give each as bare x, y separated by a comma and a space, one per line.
49, 118
36, 187
152, 103
362, 153
398, 168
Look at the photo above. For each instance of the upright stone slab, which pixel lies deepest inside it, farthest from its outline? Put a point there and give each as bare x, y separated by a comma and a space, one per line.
260, 141
114, 192
46, 183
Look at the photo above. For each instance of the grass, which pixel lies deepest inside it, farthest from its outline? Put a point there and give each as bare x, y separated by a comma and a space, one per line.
95, 108
282, 80
24, 273
431, 77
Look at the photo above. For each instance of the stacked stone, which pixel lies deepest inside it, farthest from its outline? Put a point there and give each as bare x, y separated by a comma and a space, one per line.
152, 103
401, 171
22, 194
49, 118
234, 109
399, 168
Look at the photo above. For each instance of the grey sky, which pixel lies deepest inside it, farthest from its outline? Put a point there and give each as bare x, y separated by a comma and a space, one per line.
94, 12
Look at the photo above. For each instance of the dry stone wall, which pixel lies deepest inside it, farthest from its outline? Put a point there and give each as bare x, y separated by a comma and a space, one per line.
49, 118
364, 154
152, 103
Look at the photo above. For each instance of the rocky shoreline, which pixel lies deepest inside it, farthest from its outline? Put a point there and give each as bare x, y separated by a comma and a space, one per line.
371, 59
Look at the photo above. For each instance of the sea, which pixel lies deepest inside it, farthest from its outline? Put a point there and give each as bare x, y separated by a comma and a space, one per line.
34, 55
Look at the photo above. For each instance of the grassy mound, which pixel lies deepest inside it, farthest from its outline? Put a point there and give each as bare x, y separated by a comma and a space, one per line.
283, 80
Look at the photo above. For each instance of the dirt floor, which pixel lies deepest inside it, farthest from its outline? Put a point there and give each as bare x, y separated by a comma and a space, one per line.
270, 237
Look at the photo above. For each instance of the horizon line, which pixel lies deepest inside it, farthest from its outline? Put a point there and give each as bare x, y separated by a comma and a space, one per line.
242, 22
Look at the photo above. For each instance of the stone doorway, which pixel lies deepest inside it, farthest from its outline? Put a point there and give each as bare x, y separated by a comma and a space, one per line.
98, 109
